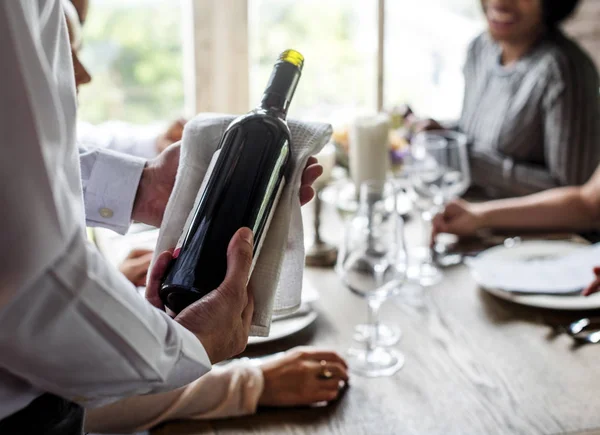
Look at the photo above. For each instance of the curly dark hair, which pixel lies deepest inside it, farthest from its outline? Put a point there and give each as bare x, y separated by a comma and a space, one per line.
556, 11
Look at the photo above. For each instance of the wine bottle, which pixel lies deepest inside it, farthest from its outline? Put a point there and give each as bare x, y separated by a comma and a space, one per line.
241, 189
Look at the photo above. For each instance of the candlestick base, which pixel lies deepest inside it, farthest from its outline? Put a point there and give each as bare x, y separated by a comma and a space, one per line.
321, 254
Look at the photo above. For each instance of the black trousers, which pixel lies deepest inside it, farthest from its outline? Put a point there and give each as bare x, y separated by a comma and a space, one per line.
46, 415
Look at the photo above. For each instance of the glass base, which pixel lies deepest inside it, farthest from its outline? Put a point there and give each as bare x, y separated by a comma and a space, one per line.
412, 295
377, 363
425, 274
386, 335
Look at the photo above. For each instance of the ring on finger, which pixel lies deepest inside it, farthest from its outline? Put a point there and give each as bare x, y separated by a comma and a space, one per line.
325, 372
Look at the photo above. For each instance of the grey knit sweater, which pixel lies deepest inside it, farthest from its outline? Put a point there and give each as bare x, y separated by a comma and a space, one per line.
535, 124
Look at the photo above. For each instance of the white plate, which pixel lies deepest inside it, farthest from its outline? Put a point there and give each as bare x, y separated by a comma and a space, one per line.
284, 328
531, 249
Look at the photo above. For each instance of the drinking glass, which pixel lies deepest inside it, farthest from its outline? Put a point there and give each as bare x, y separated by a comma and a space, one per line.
387, 334
372, 264
440, 173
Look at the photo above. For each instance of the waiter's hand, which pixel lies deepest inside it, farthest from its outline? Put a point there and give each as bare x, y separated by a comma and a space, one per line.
221, 320
156, 185
158, 179
312, 171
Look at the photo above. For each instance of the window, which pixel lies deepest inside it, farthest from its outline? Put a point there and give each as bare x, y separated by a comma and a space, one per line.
425, 46
339, 41
135, 52
133, 49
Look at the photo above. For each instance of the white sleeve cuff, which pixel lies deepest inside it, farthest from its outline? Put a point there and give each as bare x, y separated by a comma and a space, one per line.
111, 188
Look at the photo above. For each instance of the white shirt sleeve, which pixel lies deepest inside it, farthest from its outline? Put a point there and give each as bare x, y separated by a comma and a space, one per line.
135, 140
109, 181
71, 324
81, 331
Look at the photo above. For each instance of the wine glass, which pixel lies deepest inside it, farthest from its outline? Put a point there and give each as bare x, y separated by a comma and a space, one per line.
440, 173
372, 264
387, 334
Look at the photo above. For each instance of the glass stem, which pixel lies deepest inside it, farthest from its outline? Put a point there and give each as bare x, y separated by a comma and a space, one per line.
426, 228
374, 305
317, 222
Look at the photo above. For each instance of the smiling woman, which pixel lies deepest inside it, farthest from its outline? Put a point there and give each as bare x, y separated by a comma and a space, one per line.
531, 105
518, 25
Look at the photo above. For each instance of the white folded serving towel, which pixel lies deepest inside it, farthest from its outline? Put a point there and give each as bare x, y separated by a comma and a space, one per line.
277, 276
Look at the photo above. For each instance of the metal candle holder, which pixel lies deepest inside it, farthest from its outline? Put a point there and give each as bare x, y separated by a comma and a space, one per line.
320, 253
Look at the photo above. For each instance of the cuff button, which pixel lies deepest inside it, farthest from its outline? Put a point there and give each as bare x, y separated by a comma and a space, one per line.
106, 213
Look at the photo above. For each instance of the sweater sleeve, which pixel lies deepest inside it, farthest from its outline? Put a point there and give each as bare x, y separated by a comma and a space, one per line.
225, 392
572, 122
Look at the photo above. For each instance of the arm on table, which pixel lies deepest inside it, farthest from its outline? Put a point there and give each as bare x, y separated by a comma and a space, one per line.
234, 391
292, 379
574, 208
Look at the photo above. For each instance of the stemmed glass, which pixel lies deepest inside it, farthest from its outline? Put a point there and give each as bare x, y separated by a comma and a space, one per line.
372, 264
440, 173
387, 334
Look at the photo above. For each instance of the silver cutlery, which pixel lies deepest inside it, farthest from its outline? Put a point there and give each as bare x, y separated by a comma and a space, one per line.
577, 330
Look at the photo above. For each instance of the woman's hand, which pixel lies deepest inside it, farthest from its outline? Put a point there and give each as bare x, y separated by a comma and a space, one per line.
594, 287
459, 217
135, 266
303, 376
417, 125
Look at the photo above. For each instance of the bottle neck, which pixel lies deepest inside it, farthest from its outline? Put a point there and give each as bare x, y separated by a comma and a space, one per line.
280, 89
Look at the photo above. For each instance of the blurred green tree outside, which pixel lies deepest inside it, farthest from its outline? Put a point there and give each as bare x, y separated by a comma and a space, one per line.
133, 51
339, 41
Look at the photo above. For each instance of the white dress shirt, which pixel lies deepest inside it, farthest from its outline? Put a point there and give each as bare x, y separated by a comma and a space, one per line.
135, 140
70, 324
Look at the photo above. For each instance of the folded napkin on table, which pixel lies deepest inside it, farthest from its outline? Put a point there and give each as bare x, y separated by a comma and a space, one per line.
277, 276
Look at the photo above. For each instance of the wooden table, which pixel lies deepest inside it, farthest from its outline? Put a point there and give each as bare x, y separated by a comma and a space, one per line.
474, 365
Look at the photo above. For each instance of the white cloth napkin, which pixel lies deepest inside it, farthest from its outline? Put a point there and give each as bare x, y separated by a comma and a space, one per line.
277, 276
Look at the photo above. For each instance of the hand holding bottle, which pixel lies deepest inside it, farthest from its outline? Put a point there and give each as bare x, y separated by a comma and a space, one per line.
158, 179
222, 319
312, 171
156, 185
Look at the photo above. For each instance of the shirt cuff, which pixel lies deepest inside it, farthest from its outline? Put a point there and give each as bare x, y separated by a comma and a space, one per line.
111, 189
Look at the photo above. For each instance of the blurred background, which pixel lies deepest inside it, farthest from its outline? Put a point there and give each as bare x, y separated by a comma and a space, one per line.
156, 60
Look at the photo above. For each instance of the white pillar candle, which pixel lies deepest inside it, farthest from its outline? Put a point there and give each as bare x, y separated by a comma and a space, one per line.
369, 149
326, 159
